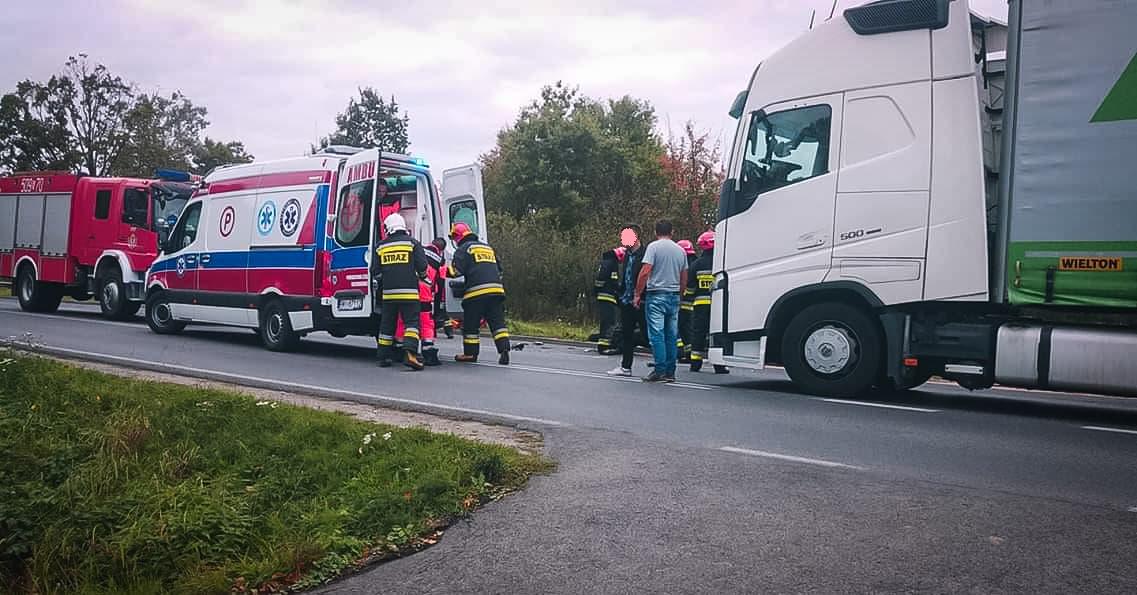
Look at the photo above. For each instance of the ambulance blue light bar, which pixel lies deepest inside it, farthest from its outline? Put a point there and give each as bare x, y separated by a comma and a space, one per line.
173, 175
419, 161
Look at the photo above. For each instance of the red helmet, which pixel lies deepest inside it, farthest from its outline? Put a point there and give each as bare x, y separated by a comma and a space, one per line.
459, 230
706, 240
686, 246
620, 252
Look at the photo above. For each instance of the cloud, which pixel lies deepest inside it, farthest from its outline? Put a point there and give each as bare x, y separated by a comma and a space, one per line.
273, 74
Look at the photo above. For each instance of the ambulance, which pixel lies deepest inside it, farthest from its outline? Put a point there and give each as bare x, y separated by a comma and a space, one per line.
62, 234
286, 247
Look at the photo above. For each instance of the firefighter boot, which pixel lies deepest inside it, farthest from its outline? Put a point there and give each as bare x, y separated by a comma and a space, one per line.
430, 357
412, 361
503, 358
471, 345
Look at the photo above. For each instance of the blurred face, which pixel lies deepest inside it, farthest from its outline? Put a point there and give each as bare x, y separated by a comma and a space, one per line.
628, 238
382, 191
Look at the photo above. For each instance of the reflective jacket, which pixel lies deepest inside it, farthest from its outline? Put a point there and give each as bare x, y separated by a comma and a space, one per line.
607, 278
700, 279
477, 262
434, 275
402, 262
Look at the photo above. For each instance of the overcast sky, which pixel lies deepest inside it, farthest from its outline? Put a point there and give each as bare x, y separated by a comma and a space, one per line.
273, 74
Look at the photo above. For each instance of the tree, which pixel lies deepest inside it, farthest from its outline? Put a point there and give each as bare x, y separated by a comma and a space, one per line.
370, 122
162, 132
694, 173
210, 154
76, 120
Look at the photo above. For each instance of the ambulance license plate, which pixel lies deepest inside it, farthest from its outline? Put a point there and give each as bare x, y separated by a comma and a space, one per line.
347, 304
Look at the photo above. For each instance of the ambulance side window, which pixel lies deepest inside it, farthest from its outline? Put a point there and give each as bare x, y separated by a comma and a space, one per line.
465, 211
186, 231
353, 217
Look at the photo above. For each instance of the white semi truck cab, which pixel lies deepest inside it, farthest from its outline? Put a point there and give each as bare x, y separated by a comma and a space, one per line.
890, 214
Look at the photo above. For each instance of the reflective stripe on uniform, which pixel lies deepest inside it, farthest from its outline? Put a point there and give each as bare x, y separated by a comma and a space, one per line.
411, 333
396, 247
702, 301
686, 306
384, 342
484, 289
471, 340
605, 297
400, 294
696, 356
603, 342
502, 334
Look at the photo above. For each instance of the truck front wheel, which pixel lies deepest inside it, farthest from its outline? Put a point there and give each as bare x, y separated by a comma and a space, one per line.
832, 349
112, 296
37, 296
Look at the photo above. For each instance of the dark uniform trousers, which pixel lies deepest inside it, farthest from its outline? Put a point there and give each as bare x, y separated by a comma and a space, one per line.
608, 312
407, 309
700, 328
491, 308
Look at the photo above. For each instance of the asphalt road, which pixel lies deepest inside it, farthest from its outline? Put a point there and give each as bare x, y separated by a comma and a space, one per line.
722, 483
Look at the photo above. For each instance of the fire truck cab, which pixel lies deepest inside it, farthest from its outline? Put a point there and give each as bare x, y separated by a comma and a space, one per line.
67, 235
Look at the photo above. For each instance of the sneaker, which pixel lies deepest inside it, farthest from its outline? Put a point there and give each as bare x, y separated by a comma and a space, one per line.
669, 378
620, 372
655, 377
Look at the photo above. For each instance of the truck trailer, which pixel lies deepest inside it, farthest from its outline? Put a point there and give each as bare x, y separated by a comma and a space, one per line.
67, 235
915, 191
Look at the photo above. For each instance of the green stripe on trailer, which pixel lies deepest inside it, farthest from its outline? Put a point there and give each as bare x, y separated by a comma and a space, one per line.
1099, 274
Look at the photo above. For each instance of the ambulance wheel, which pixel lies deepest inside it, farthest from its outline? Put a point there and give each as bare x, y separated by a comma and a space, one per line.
37, 296
159, 317
112, 296
276, 328
832, 349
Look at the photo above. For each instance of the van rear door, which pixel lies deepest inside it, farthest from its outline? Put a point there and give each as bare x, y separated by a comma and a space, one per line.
354, 237
462, 202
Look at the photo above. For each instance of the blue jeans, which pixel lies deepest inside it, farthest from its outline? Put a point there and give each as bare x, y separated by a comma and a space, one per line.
663, 329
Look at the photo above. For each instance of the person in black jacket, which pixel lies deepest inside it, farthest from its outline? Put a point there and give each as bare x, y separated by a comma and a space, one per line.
631, 317
607, 307
402, 263
685, 306
483, 295
699, 284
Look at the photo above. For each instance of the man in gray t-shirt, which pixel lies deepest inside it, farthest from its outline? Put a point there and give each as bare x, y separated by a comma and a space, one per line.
664, 272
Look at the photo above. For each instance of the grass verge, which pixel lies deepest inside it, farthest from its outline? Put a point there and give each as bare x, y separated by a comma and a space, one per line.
552, 329
112, 484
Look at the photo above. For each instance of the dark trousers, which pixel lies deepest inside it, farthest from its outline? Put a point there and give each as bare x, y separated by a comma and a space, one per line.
631, 319
685, 339
491, 308
409, 311
700, 329
608, 313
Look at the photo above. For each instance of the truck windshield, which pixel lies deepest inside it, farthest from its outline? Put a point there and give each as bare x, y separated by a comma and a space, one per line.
169, 199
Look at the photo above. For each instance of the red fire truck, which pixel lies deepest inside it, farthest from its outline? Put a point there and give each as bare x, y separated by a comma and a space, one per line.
67, 235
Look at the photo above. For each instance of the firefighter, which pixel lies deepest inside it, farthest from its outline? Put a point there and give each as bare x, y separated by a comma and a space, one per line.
402, 263
441, 318
699, 283
686, 307
426, 293
606, 287
483, 295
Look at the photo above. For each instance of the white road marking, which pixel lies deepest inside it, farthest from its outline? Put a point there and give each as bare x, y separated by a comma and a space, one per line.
1133, 509
231, 377
791, 458
22, 314
594, 375
1106, 429
881, 405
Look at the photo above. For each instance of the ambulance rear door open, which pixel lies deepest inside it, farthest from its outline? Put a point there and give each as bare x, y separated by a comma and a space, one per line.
462, 202
355, 232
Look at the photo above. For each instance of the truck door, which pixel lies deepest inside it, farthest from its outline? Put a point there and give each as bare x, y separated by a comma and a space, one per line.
101, 226
778, 227
462, 202
356, 232
181, 262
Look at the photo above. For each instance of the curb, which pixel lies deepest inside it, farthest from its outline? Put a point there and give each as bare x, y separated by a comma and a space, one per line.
399, 404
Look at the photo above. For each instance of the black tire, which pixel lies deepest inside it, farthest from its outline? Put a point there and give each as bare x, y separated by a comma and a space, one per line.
37, 296
158, 316
112, 295
832, 349
132, 309
276, 328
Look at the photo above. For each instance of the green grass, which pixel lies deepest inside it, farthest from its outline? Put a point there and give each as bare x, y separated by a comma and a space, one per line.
111, 484
552, 329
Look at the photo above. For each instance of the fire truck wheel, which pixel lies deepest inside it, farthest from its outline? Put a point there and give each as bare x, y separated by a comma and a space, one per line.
276, 328
832, 349
158, 315
112, 296
37, 296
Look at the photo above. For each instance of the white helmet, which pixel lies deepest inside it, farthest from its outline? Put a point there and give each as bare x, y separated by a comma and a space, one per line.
395, 222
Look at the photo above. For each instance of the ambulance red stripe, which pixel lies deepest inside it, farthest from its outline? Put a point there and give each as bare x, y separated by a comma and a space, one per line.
294, 178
